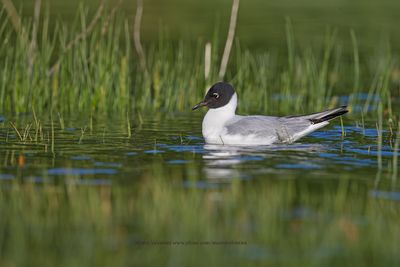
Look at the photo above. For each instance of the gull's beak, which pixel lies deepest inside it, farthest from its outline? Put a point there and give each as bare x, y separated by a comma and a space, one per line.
201, 104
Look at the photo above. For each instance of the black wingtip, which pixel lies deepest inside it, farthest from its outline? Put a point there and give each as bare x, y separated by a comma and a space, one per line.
339, 112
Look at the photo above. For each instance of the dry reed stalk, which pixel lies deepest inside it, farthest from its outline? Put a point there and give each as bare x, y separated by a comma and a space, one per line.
82, 35
110, 17
207, 60
14, 17
136, 35
33, 44
229, 39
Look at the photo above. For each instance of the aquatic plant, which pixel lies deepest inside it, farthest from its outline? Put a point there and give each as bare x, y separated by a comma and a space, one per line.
92, 66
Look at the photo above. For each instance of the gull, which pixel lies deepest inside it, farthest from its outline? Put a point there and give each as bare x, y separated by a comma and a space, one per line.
221, 125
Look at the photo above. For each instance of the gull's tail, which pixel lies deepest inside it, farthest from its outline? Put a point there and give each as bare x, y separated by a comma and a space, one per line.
316, 120
326, 115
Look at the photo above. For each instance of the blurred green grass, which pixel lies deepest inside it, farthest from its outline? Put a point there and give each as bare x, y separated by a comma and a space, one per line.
282, 223
100, 71
260, 23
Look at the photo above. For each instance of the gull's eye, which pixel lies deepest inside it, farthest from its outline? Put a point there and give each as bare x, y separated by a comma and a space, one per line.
215, 95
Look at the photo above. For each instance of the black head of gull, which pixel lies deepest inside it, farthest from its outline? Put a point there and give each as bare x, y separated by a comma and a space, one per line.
217, 96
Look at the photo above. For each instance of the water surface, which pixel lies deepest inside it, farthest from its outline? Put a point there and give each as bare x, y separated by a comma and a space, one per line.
162, 190
176, 142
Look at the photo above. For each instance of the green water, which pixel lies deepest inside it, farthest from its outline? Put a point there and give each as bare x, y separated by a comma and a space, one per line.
97, 196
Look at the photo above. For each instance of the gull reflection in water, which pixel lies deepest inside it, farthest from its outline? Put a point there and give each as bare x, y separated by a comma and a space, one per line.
221, 161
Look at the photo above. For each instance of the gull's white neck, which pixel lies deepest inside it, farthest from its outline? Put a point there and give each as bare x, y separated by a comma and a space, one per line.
215, 119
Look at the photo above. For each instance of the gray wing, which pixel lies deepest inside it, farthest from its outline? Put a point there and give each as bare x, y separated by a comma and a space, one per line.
285, 129
266, 126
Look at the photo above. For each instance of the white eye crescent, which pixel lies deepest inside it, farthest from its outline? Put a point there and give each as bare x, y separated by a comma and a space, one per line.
215, 95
